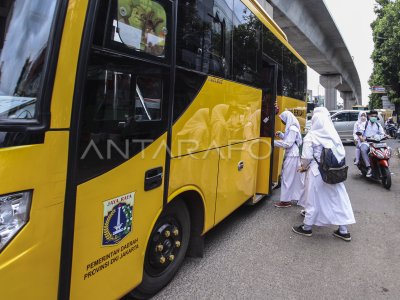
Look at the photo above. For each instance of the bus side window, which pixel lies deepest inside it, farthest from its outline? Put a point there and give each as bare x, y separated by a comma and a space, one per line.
246, 45
204, 35
122, 112
135, 27
271, 45
148, 98
112, 96
294, 76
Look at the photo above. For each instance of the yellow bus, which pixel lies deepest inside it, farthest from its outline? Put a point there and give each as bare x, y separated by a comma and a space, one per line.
129, 129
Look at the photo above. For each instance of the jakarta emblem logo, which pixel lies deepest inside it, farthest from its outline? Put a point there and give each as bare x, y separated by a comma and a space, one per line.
117, 216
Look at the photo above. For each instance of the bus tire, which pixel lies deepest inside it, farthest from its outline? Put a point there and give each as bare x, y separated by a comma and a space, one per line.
172, 232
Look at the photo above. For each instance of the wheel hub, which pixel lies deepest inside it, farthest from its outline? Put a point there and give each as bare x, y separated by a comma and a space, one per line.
165, 246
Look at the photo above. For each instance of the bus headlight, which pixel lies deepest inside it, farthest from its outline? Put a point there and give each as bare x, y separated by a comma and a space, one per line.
14, 213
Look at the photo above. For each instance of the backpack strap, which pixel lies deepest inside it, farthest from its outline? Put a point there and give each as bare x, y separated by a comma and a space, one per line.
377, 123
316, 161
366, 125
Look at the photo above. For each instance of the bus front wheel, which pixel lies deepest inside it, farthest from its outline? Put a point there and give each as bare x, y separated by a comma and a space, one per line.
166, 250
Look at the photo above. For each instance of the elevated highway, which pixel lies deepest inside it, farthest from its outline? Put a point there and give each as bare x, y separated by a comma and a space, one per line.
312, 31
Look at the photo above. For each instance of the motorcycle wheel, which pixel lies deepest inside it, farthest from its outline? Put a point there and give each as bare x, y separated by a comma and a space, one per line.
386, 178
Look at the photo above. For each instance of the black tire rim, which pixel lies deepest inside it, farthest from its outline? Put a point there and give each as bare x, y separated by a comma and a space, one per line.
164, 246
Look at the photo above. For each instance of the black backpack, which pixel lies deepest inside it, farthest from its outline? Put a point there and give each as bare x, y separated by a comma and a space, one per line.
331, 170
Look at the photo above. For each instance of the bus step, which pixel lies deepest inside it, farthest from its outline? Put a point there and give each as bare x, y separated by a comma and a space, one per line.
255, 199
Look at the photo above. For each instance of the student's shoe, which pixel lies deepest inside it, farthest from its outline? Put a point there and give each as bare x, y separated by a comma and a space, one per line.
369, 172
344, 236
300, 230
282, 204
303, 212
356, 162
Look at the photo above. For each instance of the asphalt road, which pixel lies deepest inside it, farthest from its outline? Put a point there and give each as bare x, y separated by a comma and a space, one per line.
253, 254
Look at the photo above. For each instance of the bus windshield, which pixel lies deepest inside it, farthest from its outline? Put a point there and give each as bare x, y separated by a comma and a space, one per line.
24, 34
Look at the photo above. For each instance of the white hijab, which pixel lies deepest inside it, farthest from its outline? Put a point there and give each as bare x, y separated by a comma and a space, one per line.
359, 122
291, 124
322, 110
323, 132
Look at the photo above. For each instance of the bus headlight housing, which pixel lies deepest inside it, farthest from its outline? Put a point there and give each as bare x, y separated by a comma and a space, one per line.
14, 214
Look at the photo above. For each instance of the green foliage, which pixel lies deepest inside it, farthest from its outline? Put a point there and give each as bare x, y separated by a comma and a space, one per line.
386, 55
379, 7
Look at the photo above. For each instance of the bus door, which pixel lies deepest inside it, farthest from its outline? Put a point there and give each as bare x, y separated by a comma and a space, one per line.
269, 89
121, 145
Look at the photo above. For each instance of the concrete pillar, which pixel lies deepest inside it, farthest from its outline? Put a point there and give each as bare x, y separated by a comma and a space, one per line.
330, 83
348, 99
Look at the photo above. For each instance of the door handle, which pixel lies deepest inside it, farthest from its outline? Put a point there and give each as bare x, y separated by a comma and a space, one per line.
153, 178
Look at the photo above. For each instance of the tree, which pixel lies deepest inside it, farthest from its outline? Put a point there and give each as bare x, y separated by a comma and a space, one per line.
386, 55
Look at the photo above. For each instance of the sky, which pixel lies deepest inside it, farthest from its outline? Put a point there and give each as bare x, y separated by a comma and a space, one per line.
353, 19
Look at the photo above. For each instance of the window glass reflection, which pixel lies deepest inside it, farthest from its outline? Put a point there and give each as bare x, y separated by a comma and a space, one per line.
24, 34
204, 36
246, 45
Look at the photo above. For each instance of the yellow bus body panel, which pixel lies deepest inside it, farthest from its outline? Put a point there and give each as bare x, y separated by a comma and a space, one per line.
264, 166
29, 264
67, 64
89, 275
223, 113
223, 116
236, 185
199, 170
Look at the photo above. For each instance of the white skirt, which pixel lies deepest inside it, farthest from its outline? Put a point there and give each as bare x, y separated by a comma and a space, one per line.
292, 182
326, 204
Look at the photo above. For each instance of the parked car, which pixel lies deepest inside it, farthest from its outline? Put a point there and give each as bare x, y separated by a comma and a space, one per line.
344, 121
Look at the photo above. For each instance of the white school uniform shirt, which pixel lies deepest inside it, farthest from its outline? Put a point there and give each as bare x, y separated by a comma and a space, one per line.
358, 127
311, 152
372, 129
288, 142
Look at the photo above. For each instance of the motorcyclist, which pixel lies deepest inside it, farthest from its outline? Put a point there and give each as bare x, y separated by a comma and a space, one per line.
389, 121
390, 126
359, 126
373, 129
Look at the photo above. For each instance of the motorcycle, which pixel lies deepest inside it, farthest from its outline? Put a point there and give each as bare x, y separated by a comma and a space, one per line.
379, 155
391, 129
398, 134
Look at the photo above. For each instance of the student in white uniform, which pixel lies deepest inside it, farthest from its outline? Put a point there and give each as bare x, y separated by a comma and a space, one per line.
359, 126
317, 110
373, 129
292, 186
325, 204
